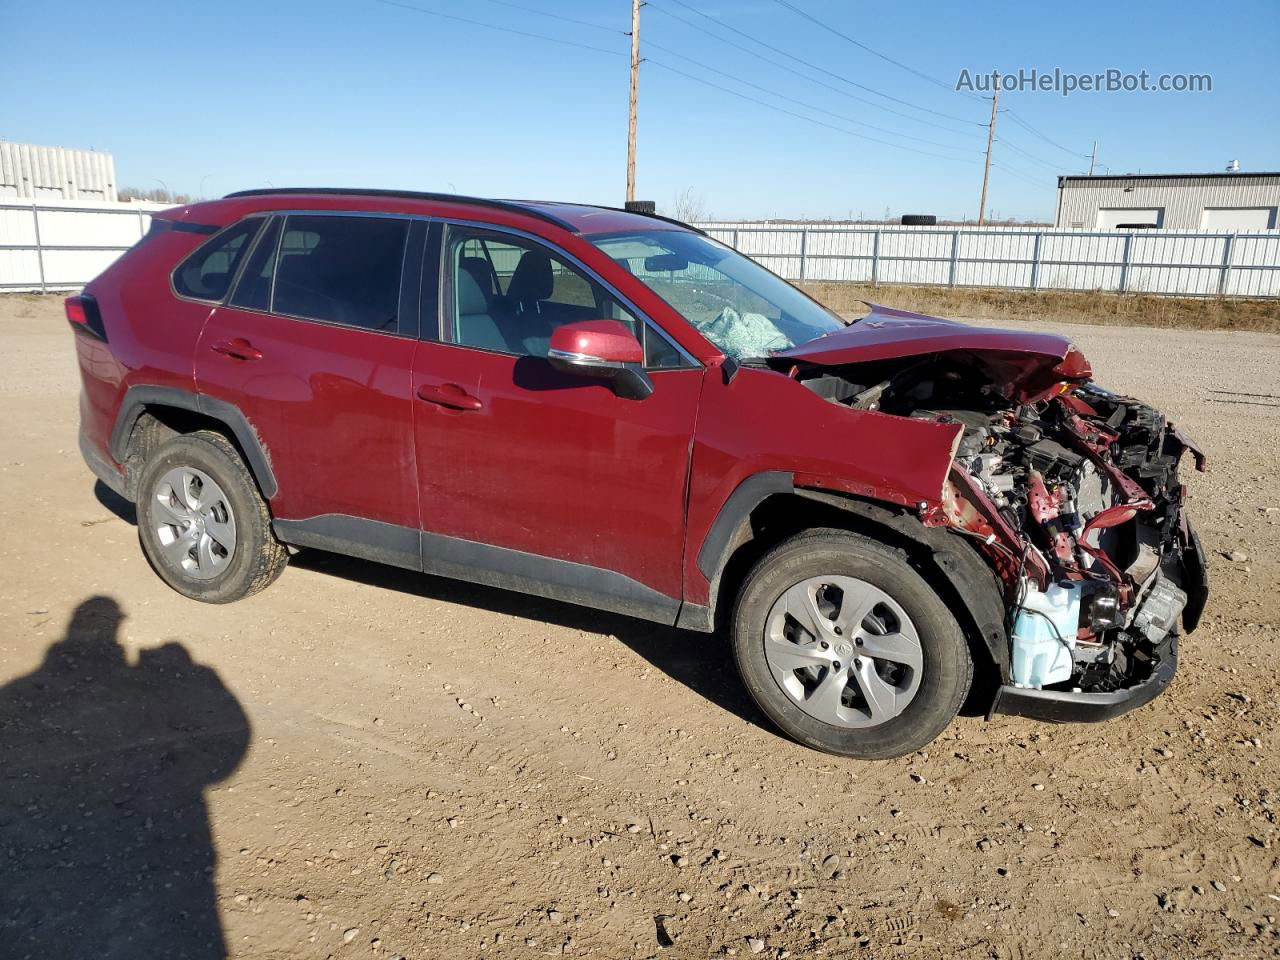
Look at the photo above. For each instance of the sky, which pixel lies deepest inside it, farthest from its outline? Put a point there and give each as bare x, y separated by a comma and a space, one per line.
851, 111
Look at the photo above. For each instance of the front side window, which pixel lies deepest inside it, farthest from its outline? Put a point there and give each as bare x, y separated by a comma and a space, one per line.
509, 294
207, 274
338, 269
738, 305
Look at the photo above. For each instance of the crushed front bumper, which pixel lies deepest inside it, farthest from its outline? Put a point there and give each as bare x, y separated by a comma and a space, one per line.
1064, 706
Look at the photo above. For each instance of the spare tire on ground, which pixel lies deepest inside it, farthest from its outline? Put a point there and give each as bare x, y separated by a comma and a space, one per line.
919, 220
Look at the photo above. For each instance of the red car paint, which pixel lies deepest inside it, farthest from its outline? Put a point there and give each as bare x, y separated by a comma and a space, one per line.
1030, 364
509, 452
546, 463
598, 338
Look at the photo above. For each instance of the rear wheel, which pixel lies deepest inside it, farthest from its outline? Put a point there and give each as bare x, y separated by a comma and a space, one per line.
847, 648
202, 523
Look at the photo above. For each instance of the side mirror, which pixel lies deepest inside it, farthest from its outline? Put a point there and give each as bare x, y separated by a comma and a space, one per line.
605, 349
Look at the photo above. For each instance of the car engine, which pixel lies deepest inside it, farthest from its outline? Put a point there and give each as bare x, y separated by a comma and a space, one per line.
1073, 495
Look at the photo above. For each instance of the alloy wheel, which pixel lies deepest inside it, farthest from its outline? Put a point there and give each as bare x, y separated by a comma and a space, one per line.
194, 523
844, 651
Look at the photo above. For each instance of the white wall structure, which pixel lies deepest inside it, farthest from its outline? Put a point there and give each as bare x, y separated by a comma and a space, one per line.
1193, 201
61, 245
56, 173
1022, 258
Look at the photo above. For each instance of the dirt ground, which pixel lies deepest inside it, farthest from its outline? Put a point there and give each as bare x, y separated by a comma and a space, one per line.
361, 762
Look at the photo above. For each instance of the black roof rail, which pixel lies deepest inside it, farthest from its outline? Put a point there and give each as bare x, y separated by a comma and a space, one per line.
657, 216
635, 213
508, 205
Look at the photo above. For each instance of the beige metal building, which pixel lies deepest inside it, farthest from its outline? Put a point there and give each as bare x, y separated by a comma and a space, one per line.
1220, 202
52, 173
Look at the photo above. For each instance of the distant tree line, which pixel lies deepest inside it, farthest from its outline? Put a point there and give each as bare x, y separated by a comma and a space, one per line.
157, 195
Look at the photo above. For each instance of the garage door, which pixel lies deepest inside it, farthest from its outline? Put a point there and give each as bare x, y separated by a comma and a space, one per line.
1109, 218
1238, 218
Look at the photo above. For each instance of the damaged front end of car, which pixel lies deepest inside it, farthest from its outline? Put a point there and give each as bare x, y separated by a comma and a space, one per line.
1070, 492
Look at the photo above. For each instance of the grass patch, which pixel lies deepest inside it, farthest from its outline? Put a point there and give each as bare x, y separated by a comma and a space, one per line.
1060, 306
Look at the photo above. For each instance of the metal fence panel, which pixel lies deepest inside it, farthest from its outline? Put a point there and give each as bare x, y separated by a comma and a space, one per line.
62, 245
1120, 261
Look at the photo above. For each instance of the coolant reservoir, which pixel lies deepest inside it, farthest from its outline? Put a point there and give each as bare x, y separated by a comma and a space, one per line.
1044, 634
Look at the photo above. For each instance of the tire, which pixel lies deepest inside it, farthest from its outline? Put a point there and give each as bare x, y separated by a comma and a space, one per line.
228, 511
918, 677
919, 220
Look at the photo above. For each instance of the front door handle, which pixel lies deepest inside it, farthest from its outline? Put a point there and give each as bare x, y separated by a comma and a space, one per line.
449, 395
237, 348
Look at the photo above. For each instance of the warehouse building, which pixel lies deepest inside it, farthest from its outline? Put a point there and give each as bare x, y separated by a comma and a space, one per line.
52, 173
1221, 202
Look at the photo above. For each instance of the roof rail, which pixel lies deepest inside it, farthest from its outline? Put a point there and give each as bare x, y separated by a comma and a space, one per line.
657, 216
507, 205
636, 213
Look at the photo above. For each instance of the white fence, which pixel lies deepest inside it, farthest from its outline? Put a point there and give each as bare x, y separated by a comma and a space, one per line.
1120, 261
62, 245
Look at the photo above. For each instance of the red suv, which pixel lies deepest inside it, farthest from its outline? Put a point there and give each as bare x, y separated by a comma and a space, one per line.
613, 409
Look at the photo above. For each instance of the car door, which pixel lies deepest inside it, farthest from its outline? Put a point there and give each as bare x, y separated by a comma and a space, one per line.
315, 348
537, 479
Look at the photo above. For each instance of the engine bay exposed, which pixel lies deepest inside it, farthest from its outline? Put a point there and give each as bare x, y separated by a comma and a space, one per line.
1071, 493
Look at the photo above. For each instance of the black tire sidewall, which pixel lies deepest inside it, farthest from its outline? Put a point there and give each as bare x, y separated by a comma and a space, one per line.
947, 668
194, 450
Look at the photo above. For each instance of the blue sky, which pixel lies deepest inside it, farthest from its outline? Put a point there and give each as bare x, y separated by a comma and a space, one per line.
213, 97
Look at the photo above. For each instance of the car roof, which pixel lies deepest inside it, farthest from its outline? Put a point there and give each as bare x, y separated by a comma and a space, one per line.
580, 218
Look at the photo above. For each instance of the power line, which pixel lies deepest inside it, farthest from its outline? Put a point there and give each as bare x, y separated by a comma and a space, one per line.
803, 103
875, 53
1017, 173
556, 16
1022, 123
813, 66
688, 76
494, 26
803, 76
800, 116
1030, 156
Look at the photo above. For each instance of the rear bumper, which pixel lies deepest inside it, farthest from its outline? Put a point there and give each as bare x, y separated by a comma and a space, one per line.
1063, 706
103, 470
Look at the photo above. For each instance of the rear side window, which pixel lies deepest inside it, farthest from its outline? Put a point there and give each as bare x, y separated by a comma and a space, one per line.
207, 273
341, 270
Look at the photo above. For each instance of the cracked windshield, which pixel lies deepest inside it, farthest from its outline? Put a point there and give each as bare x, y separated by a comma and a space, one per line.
735, 303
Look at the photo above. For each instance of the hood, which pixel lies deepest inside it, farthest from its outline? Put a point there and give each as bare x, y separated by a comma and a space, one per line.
1025, 361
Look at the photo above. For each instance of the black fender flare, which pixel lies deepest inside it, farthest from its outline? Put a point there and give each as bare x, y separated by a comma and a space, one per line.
970, 581
974, 586
141, 396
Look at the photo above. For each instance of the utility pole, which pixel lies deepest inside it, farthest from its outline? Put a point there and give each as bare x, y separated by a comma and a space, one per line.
991, 136
635, 89
1093, 157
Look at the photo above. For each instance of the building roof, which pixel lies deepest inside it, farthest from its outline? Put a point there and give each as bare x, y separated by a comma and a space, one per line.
1239, 175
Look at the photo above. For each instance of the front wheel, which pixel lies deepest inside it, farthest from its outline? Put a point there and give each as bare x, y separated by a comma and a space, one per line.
847, 648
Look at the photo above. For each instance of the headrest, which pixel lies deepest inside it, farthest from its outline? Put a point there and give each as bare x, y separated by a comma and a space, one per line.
470, 297
532, 279
479, 268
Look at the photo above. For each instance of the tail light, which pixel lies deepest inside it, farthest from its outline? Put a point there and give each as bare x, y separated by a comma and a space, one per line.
84, 316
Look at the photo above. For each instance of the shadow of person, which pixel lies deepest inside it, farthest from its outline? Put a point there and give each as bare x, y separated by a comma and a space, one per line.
105, 847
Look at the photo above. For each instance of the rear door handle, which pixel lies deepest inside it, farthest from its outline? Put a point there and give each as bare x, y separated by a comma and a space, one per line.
449, 395
237, 348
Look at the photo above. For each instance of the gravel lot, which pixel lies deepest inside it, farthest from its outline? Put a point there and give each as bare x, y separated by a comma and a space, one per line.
361, 762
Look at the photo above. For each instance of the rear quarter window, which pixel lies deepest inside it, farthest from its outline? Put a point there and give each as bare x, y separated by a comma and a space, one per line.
207, 273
